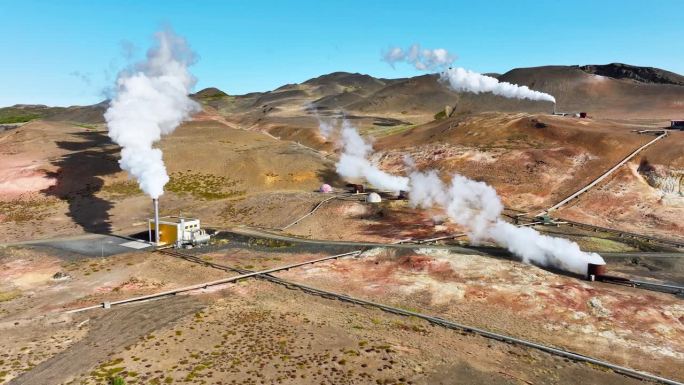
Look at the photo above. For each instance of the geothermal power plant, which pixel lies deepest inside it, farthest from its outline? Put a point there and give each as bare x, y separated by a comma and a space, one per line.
472, 206
450, 227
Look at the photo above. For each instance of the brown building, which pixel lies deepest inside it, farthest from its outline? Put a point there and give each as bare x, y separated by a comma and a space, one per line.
677, 124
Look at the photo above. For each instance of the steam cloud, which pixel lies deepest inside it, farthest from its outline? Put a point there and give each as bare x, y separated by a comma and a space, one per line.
476, 206
354, 162
421, 59
151, 100
461, 79
471, 204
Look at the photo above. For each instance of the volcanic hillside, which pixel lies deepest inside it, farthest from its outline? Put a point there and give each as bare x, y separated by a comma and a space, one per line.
613, 90
61, 166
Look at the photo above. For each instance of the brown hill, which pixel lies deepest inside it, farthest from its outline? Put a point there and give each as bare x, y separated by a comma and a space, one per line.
639, 74
630, 92
20, 113
612, 90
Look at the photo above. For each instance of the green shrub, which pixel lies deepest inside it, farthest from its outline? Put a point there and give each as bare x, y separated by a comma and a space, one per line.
117, 381
17, 118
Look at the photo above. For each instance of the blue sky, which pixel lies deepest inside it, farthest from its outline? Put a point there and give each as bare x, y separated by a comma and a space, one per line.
66, 52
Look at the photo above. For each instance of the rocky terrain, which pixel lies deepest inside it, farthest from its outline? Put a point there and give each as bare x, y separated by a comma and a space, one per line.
258, 160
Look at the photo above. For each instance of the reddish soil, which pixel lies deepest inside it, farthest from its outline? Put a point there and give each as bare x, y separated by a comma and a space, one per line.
599, 320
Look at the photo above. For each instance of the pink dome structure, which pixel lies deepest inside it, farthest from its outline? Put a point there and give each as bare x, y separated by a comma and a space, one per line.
325, 188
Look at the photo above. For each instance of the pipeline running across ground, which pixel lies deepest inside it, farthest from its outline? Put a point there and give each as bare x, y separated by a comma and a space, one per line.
432, 319
490, 251
204, 285
625, 234
321, 203
602, 176
266, 275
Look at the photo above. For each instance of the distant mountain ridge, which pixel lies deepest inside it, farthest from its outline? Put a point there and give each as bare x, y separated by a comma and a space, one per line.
610, 90
639, 74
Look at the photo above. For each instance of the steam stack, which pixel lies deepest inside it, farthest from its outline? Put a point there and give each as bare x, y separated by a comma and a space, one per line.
155, 202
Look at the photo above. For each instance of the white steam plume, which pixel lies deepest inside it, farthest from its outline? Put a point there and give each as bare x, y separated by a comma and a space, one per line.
421, 59
471, 204
325, 127
461, 79
354, 162
476, 206
532, 246
151, 100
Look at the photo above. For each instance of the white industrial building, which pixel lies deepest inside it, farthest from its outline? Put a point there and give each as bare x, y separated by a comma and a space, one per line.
179, 232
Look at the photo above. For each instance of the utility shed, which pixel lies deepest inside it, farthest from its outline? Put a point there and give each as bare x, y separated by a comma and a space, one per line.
179, 232
677, 124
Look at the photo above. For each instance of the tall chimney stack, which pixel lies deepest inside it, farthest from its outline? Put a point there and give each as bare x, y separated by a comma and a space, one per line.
156, 221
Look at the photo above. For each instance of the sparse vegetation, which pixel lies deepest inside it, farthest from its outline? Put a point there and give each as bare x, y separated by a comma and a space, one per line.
379, 132
87, 126
9, 295
270, 243
9, 116
203, 186
25, 210
122, 189
231, 212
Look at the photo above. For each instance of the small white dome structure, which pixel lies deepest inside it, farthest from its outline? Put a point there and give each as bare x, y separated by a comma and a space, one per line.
373, 198
325, 188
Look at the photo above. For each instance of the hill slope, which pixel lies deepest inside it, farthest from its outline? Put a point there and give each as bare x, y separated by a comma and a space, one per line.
613, 91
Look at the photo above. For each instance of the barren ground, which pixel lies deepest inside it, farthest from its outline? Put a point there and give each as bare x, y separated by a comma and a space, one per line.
59, 179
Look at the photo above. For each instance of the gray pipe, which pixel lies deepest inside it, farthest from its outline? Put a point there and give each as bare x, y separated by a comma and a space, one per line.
156, 221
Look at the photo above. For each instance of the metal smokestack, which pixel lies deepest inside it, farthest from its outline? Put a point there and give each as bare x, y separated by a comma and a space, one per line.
155, 202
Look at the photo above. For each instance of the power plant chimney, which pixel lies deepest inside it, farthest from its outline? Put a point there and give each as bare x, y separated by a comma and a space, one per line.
155, 202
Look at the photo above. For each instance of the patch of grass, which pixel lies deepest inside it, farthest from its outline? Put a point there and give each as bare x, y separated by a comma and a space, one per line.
411, 309
606, 245
440, 115
232, 212
270, 243
379, 132
86, 126
122, 189
108, 370
22, 210
16, 117
203, 186
9, 295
